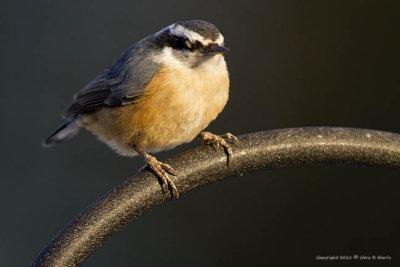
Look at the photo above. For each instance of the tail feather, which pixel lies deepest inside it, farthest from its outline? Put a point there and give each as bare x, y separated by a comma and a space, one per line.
64, 132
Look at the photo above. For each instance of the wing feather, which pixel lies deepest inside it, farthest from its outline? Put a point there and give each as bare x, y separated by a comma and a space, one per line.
119, 84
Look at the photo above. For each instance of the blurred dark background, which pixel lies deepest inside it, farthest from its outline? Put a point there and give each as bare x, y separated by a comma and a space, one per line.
292, 63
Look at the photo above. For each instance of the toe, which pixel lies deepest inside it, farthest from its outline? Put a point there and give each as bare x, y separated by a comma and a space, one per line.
218, 141
161, 170
169, 169
174, 190
165, 187
229, 158
229, 153
231, 137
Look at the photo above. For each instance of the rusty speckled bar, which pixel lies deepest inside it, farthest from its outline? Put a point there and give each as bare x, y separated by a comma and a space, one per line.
256, 151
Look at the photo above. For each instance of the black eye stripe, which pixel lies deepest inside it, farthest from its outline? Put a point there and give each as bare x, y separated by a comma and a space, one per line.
205, 47
178, 42
181, 42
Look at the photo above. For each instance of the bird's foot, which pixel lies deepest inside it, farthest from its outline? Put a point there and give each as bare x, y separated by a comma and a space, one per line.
162, 170
216, 141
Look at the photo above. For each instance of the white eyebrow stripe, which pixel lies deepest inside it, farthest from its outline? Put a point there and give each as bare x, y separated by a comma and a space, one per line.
179, 30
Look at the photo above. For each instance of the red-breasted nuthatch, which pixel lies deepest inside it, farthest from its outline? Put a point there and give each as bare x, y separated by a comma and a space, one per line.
161, 92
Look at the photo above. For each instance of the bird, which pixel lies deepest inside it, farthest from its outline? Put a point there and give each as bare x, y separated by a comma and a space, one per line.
163, 91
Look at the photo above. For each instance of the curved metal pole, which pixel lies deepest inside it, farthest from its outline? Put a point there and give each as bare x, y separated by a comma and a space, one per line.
271, 149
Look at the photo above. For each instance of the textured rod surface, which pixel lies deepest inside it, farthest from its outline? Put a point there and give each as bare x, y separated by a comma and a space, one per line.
270, 149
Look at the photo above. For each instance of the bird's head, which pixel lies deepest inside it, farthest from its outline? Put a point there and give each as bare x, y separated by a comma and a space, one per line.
189, 43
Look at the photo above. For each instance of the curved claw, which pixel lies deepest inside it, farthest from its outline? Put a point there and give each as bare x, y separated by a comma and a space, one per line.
162, 170
231, 137
219, 140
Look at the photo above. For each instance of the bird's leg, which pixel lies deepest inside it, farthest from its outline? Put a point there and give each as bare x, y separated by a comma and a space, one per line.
161, 170
219, 140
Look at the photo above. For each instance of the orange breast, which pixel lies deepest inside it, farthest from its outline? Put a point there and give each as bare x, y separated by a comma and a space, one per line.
174, 108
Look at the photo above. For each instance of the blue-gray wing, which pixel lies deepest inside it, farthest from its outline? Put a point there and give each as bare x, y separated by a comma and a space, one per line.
119, 84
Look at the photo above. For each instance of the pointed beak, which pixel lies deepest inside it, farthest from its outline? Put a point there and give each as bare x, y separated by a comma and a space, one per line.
216, 49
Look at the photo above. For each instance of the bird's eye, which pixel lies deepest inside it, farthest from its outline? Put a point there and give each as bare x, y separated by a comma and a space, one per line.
180, 43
